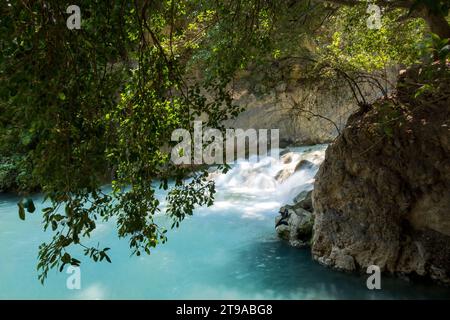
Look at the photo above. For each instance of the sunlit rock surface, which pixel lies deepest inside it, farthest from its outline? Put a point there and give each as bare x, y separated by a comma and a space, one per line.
381, 197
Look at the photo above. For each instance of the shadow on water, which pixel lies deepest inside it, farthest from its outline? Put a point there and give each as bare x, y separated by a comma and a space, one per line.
227, 251
291, 272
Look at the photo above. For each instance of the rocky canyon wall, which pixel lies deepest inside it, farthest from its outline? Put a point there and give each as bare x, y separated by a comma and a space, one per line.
306, 110
382, 195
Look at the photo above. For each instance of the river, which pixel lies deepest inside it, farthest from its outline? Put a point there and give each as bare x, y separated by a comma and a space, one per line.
227, 251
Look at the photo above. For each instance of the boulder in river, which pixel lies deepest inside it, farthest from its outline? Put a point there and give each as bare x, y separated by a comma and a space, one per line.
381, 197
304, 164
304, 200
283, 175
287, 158
295, 224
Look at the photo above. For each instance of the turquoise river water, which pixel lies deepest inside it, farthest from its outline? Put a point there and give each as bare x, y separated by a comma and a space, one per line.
228, 251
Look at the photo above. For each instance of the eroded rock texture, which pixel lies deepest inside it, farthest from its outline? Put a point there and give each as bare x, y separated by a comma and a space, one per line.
295, 222
382, 195
280, 96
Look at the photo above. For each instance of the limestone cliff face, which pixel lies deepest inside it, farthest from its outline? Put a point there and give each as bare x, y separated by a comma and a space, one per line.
281, 96
382, 195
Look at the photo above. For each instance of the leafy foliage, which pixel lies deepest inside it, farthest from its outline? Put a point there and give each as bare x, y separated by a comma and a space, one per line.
95, 103
436, 48
81, 108
359, 48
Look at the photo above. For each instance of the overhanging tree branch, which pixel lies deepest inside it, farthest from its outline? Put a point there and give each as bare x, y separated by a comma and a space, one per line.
405, 4
436, 21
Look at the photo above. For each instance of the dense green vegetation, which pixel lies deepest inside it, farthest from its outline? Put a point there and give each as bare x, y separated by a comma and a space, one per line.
81, 108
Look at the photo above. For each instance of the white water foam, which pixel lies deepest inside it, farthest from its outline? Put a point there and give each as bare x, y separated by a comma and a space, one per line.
274, 180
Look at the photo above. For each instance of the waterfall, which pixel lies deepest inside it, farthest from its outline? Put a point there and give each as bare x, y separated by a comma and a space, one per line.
277, 180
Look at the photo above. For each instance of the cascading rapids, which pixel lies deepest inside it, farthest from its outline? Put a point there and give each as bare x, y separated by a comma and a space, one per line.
273, 179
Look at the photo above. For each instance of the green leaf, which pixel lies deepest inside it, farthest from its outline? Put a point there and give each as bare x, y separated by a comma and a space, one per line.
444, 52
21, 211
423, 89
66, 258
388, 131
29, 204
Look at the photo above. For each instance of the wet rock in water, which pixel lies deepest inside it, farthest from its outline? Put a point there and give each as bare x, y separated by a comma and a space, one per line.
283, 174
339, 260
381, 197
282, 227
295, 225
304, 164
304, 200
342, 260
287, 157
